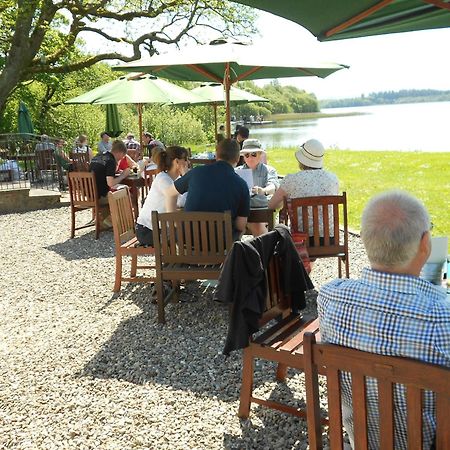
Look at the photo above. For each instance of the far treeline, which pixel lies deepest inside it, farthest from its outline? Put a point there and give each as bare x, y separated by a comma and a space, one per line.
389, 98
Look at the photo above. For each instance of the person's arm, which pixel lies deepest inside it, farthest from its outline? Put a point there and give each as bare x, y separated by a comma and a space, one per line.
171, 195
272, 181
240, 223
130, 161
276, 201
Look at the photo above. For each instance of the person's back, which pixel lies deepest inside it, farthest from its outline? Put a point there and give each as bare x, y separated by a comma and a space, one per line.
216, 187
103, 165
389, 310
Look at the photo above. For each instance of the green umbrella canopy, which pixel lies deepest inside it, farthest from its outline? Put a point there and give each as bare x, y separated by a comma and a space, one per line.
342, 19
227, 63
25, 123
138, 89
113, 124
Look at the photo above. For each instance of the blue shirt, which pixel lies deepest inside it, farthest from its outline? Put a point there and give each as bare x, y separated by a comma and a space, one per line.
216, 188
388, 314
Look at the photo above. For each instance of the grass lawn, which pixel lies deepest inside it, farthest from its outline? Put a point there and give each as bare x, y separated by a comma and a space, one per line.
363, 174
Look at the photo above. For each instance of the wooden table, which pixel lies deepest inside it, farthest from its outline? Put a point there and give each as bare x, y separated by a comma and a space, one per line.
258, 215
134, 182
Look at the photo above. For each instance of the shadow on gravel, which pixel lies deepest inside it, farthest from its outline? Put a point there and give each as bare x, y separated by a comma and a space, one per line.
268, 428
185, 353
85, 247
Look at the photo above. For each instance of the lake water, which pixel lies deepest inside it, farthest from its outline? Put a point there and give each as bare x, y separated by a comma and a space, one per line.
418, 126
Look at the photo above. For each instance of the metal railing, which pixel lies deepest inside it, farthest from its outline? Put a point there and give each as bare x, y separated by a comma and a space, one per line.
32, 161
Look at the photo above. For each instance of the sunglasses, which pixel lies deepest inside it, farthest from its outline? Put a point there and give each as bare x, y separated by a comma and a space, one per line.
253, 155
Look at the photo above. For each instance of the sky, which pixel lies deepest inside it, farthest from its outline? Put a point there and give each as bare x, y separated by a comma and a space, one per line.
416, 60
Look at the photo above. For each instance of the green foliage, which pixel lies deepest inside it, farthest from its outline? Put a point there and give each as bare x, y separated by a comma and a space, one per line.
363, 174
390, 97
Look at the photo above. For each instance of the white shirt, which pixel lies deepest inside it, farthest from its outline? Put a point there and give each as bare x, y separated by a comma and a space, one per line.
311, 183
155, 201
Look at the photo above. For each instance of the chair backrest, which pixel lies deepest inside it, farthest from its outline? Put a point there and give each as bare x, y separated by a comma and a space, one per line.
45, 159
149, 176
388, 371
121, 216
192, 237
322, 219
83, 189
80, 161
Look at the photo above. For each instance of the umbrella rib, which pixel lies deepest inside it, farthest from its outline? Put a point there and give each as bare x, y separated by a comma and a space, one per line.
357, 18
204, 72
439, 4
246, 74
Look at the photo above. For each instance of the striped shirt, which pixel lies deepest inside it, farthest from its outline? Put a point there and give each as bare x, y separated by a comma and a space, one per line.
388, 314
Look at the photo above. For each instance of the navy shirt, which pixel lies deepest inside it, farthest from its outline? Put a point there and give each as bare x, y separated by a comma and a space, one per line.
103, 165
216, 188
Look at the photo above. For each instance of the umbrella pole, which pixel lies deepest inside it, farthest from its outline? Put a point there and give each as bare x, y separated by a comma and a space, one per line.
226, 83
215, 121
139, 108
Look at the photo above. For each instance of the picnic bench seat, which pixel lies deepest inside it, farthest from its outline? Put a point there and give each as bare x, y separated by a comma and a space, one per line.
188, 246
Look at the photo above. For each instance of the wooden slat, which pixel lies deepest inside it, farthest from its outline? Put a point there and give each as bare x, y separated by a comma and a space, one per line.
443, 420
334, 407
414, 417
326, 225
359, 411
386, 416
316, 231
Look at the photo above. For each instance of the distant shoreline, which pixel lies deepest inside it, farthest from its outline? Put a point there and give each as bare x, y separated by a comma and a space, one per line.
314, 115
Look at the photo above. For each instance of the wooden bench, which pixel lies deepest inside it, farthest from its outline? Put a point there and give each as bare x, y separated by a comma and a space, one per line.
417, 376
188, 246
282, 342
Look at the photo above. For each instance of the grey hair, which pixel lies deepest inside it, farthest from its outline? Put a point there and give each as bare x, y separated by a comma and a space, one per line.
392, 226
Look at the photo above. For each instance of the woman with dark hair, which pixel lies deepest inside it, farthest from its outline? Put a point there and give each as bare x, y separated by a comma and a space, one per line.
172, 163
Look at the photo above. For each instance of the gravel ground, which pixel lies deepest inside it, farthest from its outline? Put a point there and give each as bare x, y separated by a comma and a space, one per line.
81, 368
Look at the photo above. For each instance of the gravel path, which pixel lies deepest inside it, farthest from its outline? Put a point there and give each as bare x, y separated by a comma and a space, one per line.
81, 368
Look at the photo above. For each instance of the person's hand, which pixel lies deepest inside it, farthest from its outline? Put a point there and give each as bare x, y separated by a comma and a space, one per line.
258, 190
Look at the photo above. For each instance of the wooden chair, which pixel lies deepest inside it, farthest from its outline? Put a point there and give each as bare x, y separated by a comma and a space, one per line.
125, 239
80, 161
189, 246
149, 176
83, 195
282, 343
318, 208
387, 370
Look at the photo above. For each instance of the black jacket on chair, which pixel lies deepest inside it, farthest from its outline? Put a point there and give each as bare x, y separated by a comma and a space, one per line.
243, 282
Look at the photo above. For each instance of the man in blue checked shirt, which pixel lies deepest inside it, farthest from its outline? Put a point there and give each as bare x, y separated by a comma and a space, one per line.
390, 310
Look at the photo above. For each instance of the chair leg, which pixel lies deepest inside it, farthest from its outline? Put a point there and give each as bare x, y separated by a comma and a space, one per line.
339, 267
118, 280
97, 222
72, 228
281, 372
160, 299
347, 267
247, 384
133, 266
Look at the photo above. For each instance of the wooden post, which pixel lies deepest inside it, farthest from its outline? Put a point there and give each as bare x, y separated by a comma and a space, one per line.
227, 84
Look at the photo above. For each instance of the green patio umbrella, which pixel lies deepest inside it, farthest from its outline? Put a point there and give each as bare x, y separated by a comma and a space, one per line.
342, 19
215, 94
25, 123
227, 63
113, 124
138, 89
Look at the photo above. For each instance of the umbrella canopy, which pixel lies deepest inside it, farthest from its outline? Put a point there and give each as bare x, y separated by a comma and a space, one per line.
215, 94
25, 123
113, 124
342, 19
227, 63
138, 89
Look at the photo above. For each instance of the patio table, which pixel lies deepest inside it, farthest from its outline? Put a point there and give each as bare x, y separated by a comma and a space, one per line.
258, 215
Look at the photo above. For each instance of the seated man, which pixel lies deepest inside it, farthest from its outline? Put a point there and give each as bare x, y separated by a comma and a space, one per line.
215, 187
135, 146
104, 167
390, 310
104, 145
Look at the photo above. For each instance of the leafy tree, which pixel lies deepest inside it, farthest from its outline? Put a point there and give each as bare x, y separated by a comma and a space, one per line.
44, 36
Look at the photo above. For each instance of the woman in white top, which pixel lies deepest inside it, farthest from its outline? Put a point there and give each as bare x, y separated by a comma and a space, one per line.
172, 163
81, 146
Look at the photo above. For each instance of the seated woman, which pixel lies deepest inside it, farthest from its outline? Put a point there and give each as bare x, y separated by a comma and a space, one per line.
265, 180
126, 163
81, 146
172, 163
311, 181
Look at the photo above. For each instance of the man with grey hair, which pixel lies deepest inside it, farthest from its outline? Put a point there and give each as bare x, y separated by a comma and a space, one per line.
390, 310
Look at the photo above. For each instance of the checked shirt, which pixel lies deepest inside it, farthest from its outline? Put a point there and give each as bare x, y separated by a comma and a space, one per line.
388, 314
